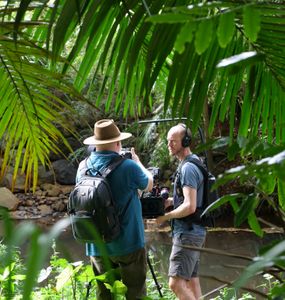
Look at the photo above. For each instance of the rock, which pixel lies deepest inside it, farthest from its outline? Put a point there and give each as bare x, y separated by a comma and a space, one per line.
65, 172
51, 190
66, 189
74, 144
8, 199
38, 193
7, 181
30, 202
45, 210
18, 215
55, 191
59, 207
45, 176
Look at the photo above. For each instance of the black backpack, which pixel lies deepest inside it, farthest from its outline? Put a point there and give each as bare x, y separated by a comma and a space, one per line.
91, 206
209, 196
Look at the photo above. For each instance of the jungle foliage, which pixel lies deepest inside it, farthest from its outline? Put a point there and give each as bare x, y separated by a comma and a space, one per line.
229, 54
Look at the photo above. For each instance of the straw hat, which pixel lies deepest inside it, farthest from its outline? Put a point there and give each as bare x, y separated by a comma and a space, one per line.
106, 132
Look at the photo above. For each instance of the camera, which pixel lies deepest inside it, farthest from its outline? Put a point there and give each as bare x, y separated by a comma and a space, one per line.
126, 153
153, 202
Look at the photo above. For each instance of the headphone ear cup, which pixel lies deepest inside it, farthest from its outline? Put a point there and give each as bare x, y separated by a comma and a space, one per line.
186, 141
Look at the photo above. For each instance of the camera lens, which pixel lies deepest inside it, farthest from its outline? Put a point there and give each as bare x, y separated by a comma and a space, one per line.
164, 193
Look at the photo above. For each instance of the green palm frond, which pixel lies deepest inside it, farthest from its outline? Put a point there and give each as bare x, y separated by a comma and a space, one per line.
137, 46
30, 111
134, 47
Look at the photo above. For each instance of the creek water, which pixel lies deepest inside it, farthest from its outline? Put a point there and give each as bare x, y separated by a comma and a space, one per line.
218, 269
215, 269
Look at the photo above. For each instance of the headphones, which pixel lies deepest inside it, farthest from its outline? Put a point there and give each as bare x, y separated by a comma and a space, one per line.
186, 140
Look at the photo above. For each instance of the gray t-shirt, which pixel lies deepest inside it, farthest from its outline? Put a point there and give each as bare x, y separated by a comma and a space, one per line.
189, 175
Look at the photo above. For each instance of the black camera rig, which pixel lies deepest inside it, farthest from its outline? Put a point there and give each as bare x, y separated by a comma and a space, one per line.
153, 202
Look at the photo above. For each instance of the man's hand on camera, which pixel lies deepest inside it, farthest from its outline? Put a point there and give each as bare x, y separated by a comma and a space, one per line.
161, 219
134, 155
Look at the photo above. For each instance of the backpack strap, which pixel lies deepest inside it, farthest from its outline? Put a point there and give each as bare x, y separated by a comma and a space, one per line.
112, 166
204, 171
108, 169
105, 171
206, 220
83, 168
196, 216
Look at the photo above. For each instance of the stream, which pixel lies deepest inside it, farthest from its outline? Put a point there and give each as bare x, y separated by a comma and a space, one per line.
215, 269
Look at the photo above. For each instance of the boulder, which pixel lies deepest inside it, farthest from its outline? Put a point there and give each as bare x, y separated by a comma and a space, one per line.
7, 181
65, 172
8, 199
45, 176
45, 210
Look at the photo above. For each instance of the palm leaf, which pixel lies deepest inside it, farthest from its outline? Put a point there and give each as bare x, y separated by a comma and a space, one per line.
30, 112
130, 37
134, 48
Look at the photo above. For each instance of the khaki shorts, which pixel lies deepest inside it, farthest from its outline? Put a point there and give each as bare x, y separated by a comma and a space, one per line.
133, 274
184, 262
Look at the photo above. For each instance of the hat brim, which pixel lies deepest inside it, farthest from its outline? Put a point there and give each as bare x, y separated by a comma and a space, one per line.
93, 141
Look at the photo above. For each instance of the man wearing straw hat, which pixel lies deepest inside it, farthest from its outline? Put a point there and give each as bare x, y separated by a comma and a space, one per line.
127, 251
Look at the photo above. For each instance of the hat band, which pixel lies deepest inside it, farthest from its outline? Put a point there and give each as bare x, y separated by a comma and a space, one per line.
106, 137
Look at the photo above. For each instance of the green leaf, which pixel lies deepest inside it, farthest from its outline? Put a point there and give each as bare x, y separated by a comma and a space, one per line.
281, 193
110, 276
226, 28
185, 36
221, 201
262, 262
203, 36
24, 4
64, 277
254, 224
170, 18
278, 291
247, 105
64, 25
234, 205
248, 205
251, 21
266, 182
117, 288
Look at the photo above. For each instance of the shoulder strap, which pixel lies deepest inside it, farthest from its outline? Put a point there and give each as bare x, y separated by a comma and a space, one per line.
198, 164
112, 166
83, 168
105, 171
204, 171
